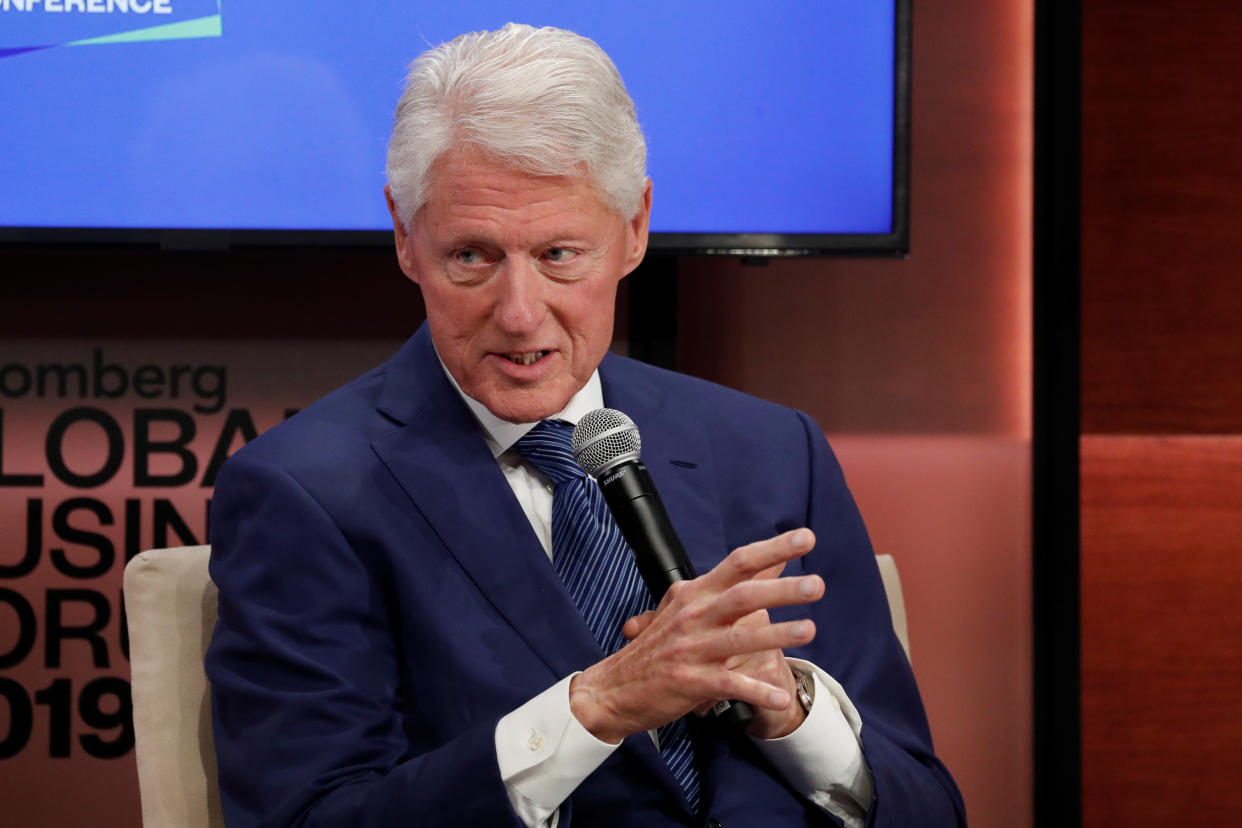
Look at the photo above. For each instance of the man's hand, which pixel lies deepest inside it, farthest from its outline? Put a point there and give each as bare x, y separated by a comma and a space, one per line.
709, 639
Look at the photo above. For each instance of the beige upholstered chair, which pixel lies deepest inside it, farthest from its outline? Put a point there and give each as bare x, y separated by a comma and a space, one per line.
171, 605
896, 601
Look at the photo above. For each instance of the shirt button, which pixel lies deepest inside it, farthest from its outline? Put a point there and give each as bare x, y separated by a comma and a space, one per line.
535, 741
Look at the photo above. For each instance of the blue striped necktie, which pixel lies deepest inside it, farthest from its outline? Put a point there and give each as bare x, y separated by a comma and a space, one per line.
592, 558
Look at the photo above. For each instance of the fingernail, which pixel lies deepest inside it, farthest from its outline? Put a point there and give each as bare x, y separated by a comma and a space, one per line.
801, 630
809, 586
801, 539
778, 698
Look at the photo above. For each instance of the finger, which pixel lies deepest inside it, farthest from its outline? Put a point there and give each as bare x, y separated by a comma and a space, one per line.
740, 687
759, 618
748, 597
634, 627
769, 666
740, 640
771, 572
746, 562
670, 594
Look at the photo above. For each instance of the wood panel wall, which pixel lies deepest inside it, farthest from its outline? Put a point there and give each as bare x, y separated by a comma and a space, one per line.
1162, 661
133, 292
1162, 216
1161, 412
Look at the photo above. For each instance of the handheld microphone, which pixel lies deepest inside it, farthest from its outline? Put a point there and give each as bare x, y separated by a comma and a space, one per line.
607, 445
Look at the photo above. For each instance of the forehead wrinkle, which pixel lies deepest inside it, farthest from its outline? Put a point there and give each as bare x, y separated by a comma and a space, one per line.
471, 200
462, 166
544, 199
530, 223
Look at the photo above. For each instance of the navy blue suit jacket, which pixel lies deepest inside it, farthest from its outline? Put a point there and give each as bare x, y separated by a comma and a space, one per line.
384, 601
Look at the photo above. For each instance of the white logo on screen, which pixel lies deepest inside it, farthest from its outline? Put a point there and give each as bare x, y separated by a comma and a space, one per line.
90, 6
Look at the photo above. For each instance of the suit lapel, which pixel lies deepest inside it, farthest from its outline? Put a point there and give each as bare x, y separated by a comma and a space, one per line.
678, 456
442, 462
680, 460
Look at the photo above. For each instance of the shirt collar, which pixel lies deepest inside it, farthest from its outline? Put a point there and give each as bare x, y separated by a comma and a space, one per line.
502, 434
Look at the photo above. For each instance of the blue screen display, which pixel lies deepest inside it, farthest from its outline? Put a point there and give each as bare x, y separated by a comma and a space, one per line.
761, 117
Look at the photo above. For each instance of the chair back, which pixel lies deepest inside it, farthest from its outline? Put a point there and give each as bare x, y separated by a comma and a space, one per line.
170, 603
896, 600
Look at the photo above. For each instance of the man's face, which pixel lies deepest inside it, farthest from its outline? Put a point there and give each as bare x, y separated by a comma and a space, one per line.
519, 274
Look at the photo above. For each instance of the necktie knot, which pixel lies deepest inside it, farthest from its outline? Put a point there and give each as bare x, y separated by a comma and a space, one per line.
548, 447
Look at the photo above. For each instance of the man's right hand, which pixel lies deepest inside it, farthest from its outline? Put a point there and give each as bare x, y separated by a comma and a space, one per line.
684, 656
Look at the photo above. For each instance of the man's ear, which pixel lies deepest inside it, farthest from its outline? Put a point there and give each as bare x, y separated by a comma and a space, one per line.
401, 237
636, 232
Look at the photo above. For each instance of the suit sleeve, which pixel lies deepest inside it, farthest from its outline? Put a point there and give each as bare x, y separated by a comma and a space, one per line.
857, 646
304, 676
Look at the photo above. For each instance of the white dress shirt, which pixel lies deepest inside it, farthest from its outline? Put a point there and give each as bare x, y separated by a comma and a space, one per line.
544, 752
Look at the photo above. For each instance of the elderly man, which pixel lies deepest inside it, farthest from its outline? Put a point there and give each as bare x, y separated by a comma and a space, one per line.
426, 618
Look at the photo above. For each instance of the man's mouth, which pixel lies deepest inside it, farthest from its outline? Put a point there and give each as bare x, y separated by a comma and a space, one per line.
526, 357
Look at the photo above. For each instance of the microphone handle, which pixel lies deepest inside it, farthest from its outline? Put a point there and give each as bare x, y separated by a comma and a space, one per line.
662, 561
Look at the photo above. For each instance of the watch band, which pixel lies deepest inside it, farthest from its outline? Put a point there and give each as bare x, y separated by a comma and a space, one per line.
805, 690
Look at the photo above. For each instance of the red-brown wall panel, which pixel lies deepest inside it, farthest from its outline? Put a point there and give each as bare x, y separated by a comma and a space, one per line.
1162, 216
1161, 631
1161, 350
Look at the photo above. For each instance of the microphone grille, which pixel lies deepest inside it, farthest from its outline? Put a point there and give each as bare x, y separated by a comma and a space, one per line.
603, 438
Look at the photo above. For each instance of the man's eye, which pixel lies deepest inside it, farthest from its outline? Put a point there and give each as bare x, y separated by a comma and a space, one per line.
469, 256
560, 254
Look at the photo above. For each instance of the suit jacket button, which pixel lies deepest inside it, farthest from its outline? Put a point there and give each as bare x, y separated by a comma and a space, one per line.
715, 823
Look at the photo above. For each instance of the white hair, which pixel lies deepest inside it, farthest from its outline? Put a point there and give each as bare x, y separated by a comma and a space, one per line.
547, 101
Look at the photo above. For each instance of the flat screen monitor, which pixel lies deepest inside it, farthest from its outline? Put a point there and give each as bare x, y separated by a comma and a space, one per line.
773, 128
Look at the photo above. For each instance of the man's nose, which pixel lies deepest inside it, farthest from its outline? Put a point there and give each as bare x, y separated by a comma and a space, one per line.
520, 307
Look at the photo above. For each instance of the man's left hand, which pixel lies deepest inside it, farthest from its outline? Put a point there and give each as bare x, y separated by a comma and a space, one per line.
768, 666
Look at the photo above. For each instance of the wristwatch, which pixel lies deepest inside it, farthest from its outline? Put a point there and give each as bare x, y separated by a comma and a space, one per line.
804, 688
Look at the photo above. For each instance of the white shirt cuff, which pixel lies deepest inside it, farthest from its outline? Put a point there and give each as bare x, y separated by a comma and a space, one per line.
823, 758
545, 753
